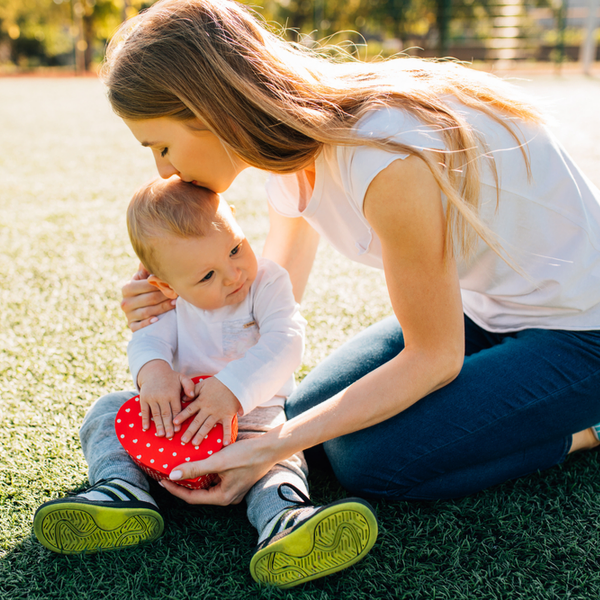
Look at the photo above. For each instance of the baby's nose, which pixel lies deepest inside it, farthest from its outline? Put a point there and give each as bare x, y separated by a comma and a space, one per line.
234, 275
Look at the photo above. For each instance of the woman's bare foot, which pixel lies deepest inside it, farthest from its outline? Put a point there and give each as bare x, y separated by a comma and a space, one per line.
584, 440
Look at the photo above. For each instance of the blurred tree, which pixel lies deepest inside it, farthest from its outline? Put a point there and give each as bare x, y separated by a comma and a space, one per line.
35, 29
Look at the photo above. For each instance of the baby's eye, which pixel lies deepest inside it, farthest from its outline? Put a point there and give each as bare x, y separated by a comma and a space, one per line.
207, 276
236, 250
163, 152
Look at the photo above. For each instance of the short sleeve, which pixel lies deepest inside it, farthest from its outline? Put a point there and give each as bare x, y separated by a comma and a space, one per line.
359, 165
283, 193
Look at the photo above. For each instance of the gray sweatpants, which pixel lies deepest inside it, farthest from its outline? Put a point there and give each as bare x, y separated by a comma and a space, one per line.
107, 459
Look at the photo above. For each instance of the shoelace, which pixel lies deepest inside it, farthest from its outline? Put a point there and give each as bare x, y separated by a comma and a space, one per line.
305, 499
90, 489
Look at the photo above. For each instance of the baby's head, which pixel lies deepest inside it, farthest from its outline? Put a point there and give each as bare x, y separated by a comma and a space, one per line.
188, 238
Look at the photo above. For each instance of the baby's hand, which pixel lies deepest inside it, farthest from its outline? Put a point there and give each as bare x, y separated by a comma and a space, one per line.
214, 404
160, 395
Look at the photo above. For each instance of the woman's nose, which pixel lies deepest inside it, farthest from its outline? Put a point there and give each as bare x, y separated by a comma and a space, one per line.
165, 168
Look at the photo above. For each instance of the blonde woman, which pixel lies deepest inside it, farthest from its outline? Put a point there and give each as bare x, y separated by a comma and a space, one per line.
443, 177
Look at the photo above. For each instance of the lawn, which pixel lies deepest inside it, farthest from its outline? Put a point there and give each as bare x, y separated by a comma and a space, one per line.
67, 170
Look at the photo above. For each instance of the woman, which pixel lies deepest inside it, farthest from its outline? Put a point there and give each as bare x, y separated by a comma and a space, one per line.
447, 179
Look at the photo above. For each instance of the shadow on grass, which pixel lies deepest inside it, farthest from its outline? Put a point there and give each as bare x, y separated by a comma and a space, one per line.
538, 537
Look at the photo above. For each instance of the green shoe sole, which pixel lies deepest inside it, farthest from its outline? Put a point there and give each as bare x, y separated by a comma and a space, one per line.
334, 538
70, 526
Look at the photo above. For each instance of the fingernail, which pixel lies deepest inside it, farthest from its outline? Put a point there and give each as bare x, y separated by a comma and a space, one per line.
175, 475
173, 302
225, 443
153, 319
161, 484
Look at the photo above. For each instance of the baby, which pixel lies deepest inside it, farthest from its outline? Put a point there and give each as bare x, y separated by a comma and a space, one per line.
236, 319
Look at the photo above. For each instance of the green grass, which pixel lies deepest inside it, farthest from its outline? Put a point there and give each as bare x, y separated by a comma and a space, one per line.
67, 170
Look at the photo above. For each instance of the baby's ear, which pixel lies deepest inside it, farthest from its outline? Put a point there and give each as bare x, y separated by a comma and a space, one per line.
163, 286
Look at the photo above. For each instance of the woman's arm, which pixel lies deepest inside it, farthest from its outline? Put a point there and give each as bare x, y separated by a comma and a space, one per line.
403, 205
292, 243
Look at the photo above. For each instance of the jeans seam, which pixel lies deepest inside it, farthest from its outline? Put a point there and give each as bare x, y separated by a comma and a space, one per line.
489, 425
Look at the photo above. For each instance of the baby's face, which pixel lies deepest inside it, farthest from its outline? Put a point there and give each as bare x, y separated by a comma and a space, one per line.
212, 271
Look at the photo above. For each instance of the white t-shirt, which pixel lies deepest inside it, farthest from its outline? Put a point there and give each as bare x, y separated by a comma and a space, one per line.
252, 347
548, 224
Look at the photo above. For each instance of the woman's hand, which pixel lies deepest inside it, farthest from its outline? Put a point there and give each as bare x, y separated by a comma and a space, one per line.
239, 467
142, 302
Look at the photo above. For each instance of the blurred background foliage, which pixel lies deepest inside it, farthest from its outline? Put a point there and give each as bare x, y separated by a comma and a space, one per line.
73, 33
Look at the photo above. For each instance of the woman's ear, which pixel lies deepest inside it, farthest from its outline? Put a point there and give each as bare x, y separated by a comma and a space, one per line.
163, 286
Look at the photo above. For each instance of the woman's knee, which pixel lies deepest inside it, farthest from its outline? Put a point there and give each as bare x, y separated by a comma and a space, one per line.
361, 468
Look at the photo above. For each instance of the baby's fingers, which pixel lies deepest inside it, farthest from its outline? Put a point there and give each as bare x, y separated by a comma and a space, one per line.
187, 412
206, 427
175, 410
158, 420
194, 426
226, 431
145, 415
188, 387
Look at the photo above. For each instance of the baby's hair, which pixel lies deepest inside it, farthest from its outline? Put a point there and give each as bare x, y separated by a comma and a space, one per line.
168, 207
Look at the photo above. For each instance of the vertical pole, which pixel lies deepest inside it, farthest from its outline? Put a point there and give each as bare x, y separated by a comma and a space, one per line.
444, 9
588, 49
561, 17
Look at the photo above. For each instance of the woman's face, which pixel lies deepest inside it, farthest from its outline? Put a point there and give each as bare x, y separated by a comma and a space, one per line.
188, 149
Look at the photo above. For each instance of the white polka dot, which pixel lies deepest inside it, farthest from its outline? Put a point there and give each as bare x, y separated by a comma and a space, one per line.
210, 451
161, 449
174, 453
122, 436
148, 445
118, 420
187, 459
127, 410
218, 441
139, 456
165, 466
152, 460
135, 441
130, 424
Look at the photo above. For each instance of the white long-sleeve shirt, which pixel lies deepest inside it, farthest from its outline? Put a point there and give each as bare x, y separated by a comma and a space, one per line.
252, 347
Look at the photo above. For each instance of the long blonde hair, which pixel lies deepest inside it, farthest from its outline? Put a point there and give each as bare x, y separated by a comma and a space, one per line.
275, 104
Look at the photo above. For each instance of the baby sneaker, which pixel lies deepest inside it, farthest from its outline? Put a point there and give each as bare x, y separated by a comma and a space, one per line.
110, 515
307, 542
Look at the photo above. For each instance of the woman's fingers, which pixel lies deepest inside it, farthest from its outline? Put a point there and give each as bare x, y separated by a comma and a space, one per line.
145, 307
215, 496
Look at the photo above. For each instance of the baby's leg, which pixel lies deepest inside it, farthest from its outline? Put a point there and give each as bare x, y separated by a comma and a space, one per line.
299, 542
116, 512
263, 500
105, 456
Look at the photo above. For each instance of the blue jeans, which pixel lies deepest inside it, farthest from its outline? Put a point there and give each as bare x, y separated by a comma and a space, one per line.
512, 411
